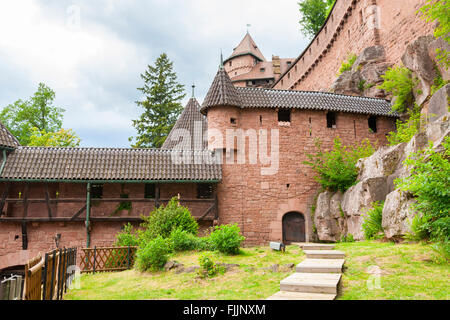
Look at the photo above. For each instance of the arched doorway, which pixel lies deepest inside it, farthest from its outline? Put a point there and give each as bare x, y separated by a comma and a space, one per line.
293, 227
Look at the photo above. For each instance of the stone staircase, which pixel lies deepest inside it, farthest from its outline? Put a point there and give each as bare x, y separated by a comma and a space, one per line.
316, 278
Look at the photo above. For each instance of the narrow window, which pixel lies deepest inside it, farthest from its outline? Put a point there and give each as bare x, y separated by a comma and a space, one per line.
295, 68
373, 124
262, 69
289, 63
281, 82
150, 191
361, 17
231, 63
317, 41
331, 120
349, 34
97, 191
284, 115
326, 29
205, 191
289, 75
260, 120
233, 120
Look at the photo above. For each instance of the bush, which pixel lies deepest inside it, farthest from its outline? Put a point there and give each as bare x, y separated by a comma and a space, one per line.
154, 255
204, 244
227, 238
181, 240
406, 130
163, 220
372, 221
127, 237
347, 238
398, 81
347, 65
418, 228
208, 268
336, 169
429, 183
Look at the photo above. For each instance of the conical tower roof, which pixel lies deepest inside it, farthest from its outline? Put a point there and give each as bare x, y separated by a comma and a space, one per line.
191, 121
221, 93
247, 46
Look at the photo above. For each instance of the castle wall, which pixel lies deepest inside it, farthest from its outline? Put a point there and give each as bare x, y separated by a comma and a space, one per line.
258, 202
40, 235
352, 26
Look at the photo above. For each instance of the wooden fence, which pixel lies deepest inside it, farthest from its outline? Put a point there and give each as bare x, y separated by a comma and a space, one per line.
107, 259
47, 278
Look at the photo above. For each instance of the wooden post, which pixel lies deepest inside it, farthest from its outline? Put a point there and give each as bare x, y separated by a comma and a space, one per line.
157, 196
4, 196
88, 213
47, 200
25, 200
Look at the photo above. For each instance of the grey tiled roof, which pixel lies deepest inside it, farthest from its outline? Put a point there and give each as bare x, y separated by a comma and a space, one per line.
6, 138
38, 163
188, 133
271, 98
222, 92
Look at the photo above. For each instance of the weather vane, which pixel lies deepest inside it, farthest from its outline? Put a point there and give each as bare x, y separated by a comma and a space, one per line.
193, 90
248, 26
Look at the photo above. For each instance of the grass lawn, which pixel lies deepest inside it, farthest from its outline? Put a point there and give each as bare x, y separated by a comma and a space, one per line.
407, 272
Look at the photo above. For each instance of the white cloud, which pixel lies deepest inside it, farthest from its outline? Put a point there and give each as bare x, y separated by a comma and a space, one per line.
92, 52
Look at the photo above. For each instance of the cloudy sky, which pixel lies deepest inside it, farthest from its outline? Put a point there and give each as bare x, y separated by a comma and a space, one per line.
91, 53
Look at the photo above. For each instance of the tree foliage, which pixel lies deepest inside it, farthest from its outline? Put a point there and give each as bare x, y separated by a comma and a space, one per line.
161, 104
429, 182
313, 15
439, 11
406, 129
399, 82
37, 112
61, 138
336, 168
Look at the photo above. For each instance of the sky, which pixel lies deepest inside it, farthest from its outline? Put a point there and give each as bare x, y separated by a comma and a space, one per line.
91, 53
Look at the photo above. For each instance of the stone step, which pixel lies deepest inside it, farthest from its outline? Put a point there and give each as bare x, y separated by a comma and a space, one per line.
324, 254
288, 295
316, 246
320, 266
311, 283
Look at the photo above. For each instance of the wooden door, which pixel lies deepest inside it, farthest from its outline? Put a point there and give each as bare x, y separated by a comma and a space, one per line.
293, 227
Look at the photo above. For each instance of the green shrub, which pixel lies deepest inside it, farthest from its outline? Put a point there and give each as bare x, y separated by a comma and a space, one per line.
347, 65
204, 244
442, 250
181, 240
335, 169
154, 255
127, 237
418, 226
163, 220
208, 268
227, 238
429, 183
347, 238
438, 82
398, 81
406, 130
372, 221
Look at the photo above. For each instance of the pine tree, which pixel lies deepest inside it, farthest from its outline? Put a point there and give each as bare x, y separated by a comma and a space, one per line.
162, 104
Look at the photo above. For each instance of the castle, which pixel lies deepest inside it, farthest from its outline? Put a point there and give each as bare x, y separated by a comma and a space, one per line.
237, 158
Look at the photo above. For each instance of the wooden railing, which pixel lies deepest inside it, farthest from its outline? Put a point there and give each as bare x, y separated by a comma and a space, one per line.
47, 278
107, 259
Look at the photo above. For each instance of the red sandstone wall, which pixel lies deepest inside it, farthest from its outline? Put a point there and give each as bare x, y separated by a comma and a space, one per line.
256, 202
349, 31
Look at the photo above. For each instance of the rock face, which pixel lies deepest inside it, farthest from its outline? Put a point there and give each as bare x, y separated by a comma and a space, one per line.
365, 75
439, 103
358, 199
328, 217
396, 214
432, 48
418, 60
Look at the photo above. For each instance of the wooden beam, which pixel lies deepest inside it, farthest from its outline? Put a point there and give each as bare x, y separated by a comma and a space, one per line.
25, 199
207, 211
4, 195
67, 219
47, 200
83, 200
78, 213
157, 196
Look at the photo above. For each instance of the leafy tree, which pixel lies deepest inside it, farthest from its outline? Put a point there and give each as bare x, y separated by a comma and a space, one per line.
37, 112
336, 169
161, 104
61, 138
439, 11
313, 15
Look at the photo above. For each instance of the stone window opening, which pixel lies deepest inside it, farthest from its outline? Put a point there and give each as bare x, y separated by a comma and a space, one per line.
150, 191
205, 191
361, 18
284, 115
260, 120
231, 63
373, 124
233, 121
97, 191
331, 120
